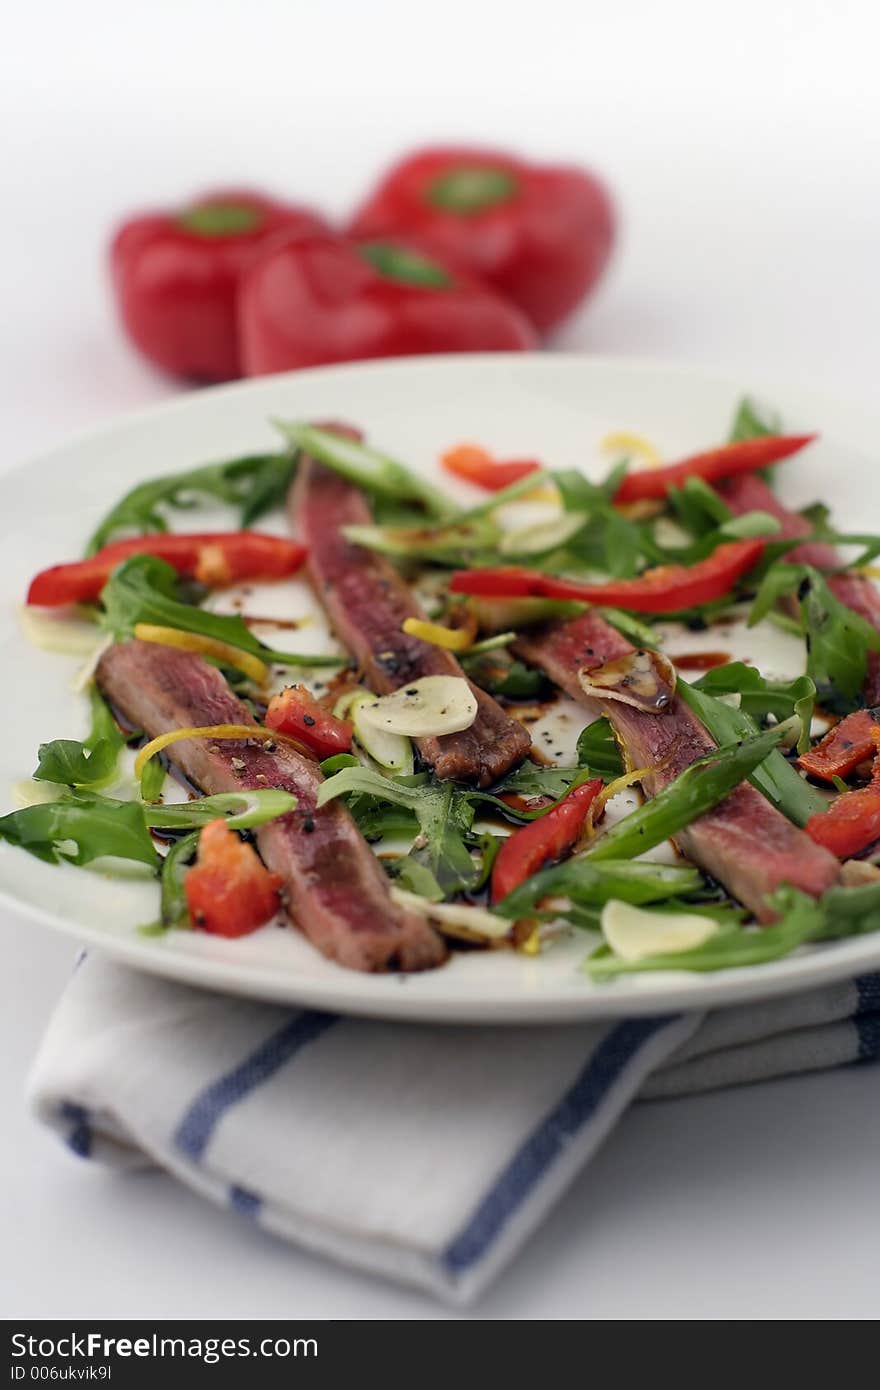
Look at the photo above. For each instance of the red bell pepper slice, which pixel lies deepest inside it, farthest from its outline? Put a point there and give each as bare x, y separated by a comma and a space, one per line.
295, 711
475, 465
744, 456
229, 891
849, 743
666, 589
549, 837
214, 558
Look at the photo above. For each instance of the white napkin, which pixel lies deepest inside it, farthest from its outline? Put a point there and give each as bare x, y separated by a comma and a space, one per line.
427, 1154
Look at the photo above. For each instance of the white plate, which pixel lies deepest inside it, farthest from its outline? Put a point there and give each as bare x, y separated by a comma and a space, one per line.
553, 407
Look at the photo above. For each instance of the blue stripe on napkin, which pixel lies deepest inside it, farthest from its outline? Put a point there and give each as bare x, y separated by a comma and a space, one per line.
207, 1110
867, 1017
868, 994
543, 1146
244, 1202
79, 1136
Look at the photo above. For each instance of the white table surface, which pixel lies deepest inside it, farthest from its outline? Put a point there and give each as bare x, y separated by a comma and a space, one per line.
743, 143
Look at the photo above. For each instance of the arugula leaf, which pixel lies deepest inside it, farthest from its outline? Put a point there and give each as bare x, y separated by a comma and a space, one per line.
838, 639
693, 792
91, 763
499, 674
774, 777
803, 919
143, 590
416, 878
590, 883
579, 494
598, 750
780, 581
152, 779
366, 467
699, 509
760, 697
609, 541
173, 910
569, 777
72, 764
81, 829
749, 423
254, 484
444, 817
838, 642
530, 779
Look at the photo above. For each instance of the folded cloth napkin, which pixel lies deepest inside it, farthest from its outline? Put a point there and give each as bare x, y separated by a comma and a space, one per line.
427, 1154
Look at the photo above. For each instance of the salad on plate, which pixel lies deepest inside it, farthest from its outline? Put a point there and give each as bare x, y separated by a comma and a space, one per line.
642, 712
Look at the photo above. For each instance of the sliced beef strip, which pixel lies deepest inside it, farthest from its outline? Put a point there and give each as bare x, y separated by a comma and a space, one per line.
744, 842
366, 601
336, 890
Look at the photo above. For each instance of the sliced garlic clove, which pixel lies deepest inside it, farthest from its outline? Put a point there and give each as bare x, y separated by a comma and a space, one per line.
636, 932
424, 708
461, 920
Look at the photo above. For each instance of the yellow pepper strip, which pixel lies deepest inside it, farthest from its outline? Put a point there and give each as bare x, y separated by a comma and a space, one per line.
206, 646
532, 944
645, 509
618, 785
542, 492
870, 571
217, 731
454, 639
624, 443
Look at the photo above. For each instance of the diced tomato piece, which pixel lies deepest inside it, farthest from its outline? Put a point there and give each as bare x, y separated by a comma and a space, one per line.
849, 743
296, 712
549, 837
850, 824
214, 558
475, 465
229, 891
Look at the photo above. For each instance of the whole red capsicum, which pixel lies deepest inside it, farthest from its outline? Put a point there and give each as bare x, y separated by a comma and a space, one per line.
540, 234
175, 275
323, 298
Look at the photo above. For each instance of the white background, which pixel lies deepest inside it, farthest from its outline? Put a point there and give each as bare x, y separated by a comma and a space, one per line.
743, 143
